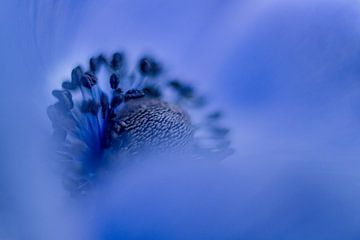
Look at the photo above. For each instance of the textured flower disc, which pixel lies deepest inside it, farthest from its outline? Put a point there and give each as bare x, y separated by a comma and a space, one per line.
151, 124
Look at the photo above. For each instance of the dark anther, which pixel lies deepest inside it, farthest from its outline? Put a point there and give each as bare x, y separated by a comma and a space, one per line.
76, 74
134, 93
187, 91
90, 106
117, 61
184, 90
149, 67
93, 64
68, 85
102, 59
215, 115
118, 91
175, 84
104, 101
114, 81
64, 97
88, 80
117, 100
152, 91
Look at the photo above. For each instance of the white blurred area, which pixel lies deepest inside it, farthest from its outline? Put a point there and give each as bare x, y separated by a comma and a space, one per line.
285, 73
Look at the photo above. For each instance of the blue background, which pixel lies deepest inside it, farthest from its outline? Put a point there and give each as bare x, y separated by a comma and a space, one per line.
286, 73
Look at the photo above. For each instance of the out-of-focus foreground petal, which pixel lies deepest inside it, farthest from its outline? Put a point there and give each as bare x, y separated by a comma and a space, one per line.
31, 205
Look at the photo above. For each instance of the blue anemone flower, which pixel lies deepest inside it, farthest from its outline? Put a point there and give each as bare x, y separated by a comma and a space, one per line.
109, 113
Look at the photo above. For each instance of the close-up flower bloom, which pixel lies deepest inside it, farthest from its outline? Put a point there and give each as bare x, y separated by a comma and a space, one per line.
109, 114
184, 119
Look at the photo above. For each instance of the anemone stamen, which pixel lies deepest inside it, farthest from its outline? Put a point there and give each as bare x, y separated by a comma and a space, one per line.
96, 127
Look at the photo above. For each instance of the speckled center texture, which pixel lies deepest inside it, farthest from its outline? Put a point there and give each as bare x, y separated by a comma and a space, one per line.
151, 124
